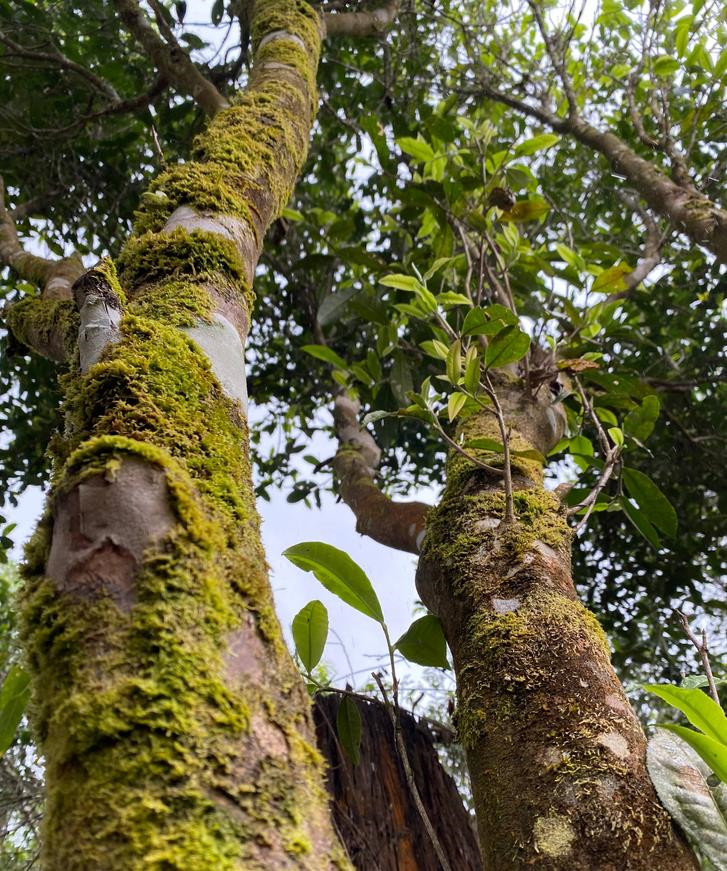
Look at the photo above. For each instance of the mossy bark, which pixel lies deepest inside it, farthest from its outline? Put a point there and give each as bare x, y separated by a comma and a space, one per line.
175, 728
555, 753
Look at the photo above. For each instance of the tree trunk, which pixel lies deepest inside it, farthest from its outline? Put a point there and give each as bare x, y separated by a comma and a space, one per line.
175, 727
373, 808
555, 753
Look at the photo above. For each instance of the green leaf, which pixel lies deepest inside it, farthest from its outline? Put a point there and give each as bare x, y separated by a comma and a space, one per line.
402, 282
691, 681
664, 65
526, 210
611, 279
218, 10
681, 780
711, 751
339, 574
449, 298
334, 305
322, 352
348, 726
617, 436
508, 346
455, 404
701, 711
641, 522
412, 285
435, 348
310, 633
639, 423
454, 362
651, 501
424, 643
537, 143
373, 416
14, 697
472, 370
416, 148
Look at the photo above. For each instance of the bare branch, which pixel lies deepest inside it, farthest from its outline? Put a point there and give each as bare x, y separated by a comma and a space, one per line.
57, 58
636, 118
400, 525
361, 24
703, 651
171, 59
651, 253
556, 58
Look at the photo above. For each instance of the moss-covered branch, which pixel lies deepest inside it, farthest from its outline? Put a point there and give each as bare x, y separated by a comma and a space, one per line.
556, 755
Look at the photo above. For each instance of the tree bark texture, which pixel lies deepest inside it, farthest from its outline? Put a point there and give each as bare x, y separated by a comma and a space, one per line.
372, 803
555, 753
175, 728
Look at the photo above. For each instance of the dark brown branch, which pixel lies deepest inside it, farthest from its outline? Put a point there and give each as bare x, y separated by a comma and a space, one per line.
361, 24
399, 525
686, 208
171, 59
57, 58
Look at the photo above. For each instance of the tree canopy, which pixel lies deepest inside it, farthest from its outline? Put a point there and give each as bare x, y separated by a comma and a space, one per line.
535, 188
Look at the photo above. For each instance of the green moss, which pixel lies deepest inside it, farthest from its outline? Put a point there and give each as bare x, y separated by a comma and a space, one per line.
207, 187
514, 654
291, 16
141, 731
33, 321
181, 303
153, 257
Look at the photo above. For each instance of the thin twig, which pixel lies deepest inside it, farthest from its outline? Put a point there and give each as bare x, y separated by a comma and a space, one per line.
703, 651
409, 774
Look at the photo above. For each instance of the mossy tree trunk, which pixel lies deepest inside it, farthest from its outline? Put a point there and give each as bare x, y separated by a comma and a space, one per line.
555, 753
175, 728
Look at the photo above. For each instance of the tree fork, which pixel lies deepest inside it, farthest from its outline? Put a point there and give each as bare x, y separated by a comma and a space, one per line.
555, 753
175, 727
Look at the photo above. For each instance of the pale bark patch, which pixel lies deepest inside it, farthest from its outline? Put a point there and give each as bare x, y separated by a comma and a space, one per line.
221, 344
503, 606
270, 737
99, 329
615, 702
102, 529
554, 835
246, 655
615, 742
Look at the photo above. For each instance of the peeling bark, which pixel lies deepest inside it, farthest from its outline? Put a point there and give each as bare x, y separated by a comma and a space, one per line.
555, 753
372, 803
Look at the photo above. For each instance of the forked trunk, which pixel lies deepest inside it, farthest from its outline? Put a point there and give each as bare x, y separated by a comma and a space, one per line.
555, 753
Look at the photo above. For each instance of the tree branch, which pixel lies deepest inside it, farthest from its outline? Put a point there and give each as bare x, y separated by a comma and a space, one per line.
651, 253
704, 222
57, 58
171, 59
400, 525
54, 277
361, 24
